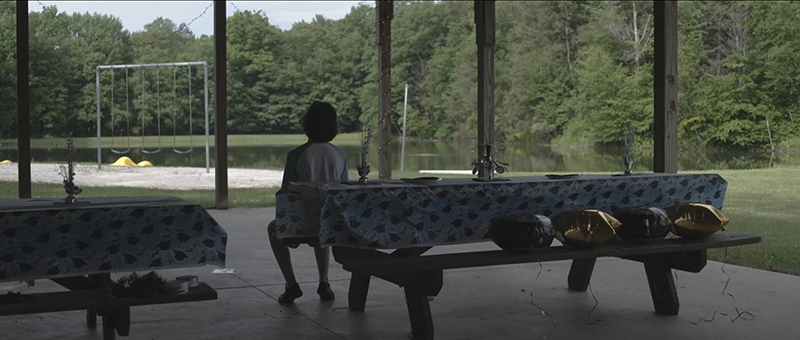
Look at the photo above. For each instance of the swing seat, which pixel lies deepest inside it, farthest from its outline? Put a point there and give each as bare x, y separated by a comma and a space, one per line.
182, 152
150, 152
120, 152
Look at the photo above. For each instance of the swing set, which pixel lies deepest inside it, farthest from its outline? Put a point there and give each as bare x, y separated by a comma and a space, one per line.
141, 68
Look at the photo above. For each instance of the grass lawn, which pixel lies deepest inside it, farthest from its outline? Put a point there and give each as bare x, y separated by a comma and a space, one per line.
762, 202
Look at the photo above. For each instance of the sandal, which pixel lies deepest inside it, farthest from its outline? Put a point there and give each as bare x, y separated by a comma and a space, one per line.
325, 292
291, 294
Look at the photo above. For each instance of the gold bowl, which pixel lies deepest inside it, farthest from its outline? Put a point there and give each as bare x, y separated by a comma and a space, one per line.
584, 228
696, 221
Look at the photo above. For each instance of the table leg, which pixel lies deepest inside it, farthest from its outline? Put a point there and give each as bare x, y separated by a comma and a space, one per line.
109, 328
419, 312
662, 286
122, 321
580, 273
357, 295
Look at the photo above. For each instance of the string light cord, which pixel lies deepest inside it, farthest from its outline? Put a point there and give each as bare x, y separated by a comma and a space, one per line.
544, 313
744, 315
596, 303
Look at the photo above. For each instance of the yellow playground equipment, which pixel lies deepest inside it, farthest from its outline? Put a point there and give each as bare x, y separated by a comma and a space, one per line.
6, 162
126, 161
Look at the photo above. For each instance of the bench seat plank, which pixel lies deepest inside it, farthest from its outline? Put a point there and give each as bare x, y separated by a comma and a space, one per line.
501, 257
95, 299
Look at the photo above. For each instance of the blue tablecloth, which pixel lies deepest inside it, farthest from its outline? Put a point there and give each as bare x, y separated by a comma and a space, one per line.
44, 238
393, 214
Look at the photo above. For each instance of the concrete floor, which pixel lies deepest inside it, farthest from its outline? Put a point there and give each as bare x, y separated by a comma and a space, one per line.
476, 303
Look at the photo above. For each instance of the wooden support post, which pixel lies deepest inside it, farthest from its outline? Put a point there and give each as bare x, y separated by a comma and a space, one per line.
419, 313
665, 83
485, 25
384, 12
662, 286
221, 105
357, 294
23, 101
580, 273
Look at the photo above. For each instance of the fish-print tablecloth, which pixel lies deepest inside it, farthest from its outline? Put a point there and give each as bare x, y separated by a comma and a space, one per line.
45, 238
392, 214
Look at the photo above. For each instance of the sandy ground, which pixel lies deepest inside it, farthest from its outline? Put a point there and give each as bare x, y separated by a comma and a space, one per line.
146, 177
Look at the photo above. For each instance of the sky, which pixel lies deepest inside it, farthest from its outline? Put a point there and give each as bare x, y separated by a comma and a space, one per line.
135, 14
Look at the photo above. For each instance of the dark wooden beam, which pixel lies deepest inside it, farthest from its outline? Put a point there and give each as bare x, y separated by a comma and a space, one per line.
384, 12
221, 104
485, 27
23, 101
665, 83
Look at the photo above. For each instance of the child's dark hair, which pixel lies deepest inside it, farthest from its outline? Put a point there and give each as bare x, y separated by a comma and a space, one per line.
320, 122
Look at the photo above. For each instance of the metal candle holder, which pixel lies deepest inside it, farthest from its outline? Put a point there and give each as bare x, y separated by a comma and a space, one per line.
363, 168
627, 160
69, 177
486, 161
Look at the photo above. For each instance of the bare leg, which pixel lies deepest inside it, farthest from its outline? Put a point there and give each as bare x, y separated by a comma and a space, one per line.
284, 259
323, 256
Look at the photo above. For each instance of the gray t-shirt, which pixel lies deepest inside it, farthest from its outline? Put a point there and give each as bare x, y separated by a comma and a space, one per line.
313, 162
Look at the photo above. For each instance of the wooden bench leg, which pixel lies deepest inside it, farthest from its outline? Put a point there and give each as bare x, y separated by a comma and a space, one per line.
116, 321
419, 312
662, 286
109, 328
91, 318
123, 321
357, 295
580, 273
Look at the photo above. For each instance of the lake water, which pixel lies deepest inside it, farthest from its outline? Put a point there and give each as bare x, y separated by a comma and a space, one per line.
440, 156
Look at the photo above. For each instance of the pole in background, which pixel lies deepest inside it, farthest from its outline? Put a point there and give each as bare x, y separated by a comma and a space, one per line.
403, 147
23, 100
99, 141
205, 80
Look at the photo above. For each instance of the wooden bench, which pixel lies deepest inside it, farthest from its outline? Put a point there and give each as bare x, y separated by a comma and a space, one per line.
421, 276
87, 293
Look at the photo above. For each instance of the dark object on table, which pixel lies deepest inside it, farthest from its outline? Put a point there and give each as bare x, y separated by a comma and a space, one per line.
696, 221
584, 228
643, 224
139, 286
422, 180
495, 179
15, 297
69, 175
487, 162
567, 176
522, 232
627, 160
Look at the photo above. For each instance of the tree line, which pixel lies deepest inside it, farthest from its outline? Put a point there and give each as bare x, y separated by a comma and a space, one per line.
565, 71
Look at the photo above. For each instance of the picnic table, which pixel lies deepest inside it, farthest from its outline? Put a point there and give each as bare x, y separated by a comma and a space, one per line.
79, 245
359, 221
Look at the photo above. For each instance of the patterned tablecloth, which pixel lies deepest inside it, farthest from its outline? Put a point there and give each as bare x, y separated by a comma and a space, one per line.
393, 214
45, 238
